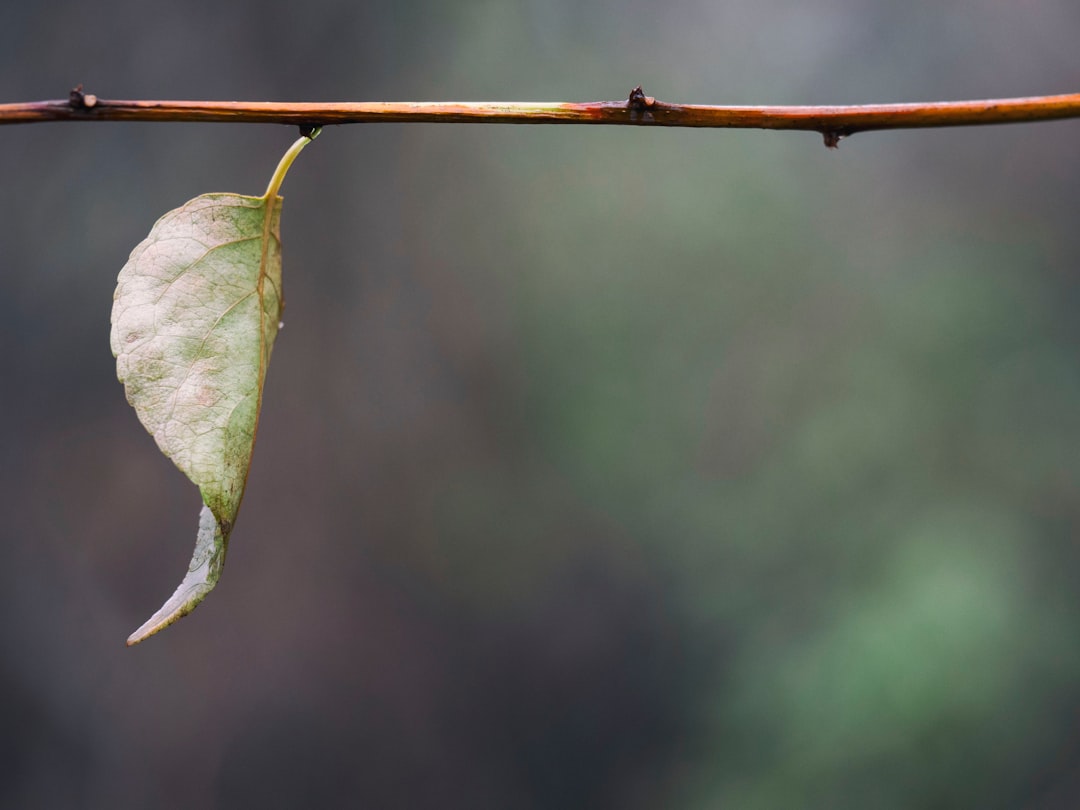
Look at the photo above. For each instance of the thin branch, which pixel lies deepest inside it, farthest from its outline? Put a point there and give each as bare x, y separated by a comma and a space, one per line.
833, 123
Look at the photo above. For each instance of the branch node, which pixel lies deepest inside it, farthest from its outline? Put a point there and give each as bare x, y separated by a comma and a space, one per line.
78, 100
638, 99
832, 137
638, 103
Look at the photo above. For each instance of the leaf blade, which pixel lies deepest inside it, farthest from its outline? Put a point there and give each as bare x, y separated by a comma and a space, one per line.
195, 315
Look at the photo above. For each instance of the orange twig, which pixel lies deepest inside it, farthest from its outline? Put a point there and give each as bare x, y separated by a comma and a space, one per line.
833, 123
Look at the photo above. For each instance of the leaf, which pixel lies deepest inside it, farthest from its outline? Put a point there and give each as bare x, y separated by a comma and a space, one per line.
195, 314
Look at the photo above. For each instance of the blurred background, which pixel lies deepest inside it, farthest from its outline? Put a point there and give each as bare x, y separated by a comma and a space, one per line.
598, 467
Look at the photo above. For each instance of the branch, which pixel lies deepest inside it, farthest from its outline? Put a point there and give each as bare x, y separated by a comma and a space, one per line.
833, 123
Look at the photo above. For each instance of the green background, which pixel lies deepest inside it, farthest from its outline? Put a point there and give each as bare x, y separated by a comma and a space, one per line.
598, 467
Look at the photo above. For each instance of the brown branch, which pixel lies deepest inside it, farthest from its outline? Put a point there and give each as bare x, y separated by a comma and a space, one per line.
833, 123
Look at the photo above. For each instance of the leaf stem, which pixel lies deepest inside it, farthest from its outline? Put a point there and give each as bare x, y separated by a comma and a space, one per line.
286, 161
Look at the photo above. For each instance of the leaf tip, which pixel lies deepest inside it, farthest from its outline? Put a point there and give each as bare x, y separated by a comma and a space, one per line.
203, 574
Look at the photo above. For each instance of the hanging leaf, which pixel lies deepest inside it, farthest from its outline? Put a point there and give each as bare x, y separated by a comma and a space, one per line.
195, 314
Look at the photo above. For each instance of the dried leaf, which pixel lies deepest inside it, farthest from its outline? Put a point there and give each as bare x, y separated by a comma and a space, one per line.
195, 314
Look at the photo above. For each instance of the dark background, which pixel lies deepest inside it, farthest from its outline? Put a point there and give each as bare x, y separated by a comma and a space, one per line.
598, 467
